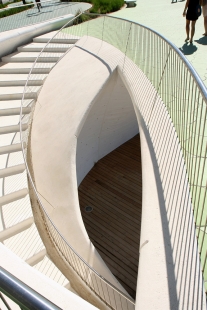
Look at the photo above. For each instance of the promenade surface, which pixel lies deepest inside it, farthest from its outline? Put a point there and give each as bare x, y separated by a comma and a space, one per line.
166, 18
49, 10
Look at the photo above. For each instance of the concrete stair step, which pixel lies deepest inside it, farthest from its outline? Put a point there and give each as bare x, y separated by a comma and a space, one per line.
62, 38
20, 79
25, 67
13, 196
6, 172
51, 47
11, 129
16, 92
7, 149
31, 57
14, 104
14, 111
36, 258
16, 229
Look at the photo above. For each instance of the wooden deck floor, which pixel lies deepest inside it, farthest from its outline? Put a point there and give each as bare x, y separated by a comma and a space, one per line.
114, 189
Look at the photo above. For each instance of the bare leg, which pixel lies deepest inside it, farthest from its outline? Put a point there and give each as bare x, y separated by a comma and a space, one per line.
187, 27
205, 25
192, 30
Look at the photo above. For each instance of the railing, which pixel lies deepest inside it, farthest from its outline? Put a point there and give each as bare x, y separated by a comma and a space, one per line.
185, 99
22, 294
31, 15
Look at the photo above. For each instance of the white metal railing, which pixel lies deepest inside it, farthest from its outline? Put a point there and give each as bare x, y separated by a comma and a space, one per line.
186, 103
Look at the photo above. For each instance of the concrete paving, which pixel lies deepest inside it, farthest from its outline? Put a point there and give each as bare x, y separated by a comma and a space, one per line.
166, 18
48, 11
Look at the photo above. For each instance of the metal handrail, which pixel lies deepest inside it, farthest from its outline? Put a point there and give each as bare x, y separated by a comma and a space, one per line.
22, 294
187, 65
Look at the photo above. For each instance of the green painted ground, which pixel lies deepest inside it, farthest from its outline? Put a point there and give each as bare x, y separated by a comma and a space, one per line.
166, 18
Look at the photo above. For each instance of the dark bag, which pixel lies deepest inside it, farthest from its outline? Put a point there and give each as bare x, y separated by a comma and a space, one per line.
198, 10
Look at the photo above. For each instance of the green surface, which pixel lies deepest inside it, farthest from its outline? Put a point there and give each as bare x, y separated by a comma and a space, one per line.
185, 103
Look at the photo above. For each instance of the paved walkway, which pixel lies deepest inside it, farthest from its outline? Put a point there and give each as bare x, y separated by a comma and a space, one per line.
48, 11
166, 18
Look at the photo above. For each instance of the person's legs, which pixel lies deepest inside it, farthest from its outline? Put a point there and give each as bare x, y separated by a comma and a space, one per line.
192, 30
205, 25
187, 27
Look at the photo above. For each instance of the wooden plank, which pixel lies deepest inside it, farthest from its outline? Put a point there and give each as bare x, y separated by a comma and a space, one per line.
107, 212
106, 197
114, 189
100, 218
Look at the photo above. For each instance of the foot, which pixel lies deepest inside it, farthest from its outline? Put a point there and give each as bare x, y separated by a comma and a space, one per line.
191, 41
205, 34
187, 39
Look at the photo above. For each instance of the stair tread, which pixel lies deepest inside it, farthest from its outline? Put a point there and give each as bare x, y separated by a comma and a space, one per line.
12, 170
11, 148
26, 65
13, 196
17, 89
40, 46
61, 36
14, 111
22, 56
16, 229
4, 104
12, 128
14, 77
26, 243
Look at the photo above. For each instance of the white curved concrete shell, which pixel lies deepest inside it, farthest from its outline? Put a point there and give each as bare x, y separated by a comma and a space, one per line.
95, 99
76, 110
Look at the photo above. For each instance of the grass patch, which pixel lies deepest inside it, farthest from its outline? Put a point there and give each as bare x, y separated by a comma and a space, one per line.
2, 6
103, 6
106, 6
15, 10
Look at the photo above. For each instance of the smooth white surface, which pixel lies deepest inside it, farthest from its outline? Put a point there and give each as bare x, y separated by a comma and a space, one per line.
55, 173
169, 275
110, 122
60, 296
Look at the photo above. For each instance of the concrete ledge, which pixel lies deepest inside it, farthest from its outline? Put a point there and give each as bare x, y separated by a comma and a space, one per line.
58, 295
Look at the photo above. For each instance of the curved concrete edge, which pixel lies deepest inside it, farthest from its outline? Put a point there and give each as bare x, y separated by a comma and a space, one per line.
169, 268
75, 91
169, 274
109, 122
10, 40
55, 293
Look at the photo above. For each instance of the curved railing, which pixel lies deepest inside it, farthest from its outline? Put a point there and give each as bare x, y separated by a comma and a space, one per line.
185, 99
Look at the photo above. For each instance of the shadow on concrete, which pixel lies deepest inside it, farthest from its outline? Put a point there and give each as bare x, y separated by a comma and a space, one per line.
188, 48
202, 41
37, 13
131, 7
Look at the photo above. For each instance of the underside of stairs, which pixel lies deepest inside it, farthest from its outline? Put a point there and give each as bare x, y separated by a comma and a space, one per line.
18, 231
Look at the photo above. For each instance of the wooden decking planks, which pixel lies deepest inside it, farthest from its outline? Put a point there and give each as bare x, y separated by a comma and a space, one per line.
114, 189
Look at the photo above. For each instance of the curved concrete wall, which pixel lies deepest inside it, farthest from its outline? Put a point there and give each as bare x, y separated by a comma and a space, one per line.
110, 122
53, 144
169, 276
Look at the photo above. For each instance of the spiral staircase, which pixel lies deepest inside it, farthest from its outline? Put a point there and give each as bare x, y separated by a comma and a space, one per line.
18, 231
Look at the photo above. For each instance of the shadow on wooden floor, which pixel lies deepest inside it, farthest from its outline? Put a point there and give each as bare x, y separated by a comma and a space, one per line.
113, 188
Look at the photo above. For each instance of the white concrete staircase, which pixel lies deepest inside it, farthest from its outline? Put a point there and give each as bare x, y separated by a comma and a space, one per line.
17, 228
